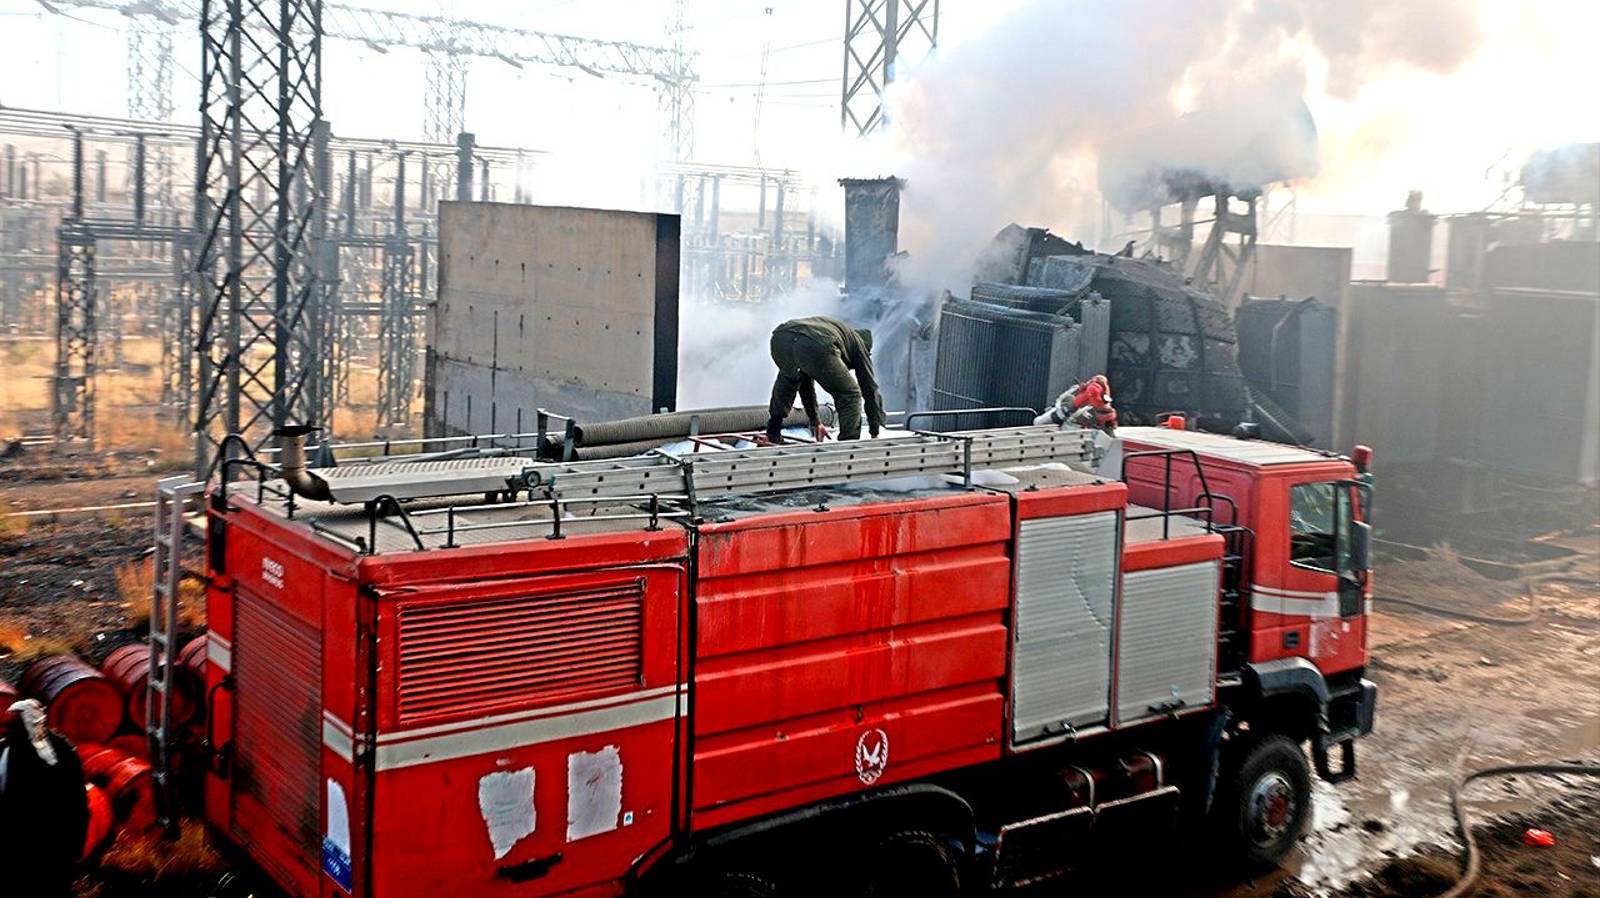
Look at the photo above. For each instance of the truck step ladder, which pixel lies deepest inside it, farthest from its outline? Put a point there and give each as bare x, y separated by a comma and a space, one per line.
172, 495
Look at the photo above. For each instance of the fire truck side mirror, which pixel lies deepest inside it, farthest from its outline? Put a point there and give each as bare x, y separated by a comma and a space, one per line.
1360, 545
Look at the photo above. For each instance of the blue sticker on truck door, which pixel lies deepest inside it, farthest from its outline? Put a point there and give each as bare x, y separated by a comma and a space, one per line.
336, 841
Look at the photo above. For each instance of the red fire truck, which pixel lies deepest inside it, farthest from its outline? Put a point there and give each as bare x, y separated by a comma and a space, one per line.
937, 662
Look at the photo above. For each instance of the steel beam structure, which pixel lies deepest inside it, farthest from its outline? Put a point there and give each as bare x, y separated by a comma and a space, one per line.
72, 399
876, 34
150, 96
677, 92
458, 40
397, 340
261, 105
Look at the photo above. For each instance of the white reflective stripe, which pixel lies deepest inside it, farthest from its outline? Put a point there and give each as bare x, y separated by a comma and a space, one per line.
1323, 605
1292, 593
337, 738
538, 713
219, 651
627, 711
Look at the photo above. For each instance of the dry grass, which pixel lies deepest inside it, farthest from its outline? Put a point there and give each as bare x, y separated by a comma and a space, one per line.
136, 580
125, 400
136, 584
151, 859
142, 429
33, 648
13, 526
13, 636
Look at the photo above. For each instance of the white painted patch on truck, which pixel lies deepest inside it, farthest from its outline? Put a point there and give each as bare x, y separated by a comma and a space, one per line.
594, 792
336, 841
505, 800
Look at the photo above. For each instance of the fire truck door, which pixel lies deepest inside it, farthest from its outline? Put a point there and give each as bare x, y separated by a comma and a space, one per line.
1318, 600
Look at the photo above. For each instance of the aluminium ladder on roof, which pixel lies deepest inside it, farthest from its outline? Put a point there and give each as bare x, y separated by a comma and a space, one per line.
172, 494
771, 469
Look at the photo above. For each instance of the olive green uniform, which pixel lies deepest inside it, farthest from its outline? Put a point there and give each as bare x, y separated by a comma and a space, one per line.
822, 350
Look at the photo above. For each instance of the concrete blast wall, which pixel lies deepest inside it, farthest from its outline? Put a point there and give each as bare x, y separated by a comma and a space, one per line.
571, 310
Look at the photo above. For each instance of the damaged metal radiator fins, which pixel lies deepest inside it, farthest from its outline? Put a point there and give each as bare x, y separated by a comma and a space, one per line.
1031, 299
1090, 310
991, 356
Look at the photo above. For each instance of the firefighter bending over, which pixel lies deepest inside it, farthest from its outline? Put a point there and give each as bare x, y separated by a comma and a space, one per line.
1084, 405
822, 350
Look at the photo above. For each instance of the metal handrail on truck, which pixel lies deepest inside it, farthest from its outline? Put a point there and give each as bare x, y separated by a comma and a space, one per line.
670, 487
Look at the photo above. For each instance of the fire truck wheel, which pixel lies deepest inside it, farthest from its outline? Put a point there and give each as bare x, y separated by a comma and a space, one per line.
912, 864
736, 884
1263, 800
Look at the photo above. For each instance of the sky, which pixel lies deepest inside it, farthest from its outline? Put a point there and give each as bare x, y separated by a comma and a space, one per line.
1447, 113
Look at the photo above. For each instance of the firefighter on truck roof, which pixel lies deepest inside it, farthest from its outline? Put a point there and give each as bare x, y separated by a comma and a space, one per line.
823, 350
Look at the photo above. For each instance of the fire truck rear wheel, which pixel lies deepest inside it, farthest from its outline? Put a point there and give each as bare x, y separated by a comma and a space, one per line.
912, 864
736, 884
1263, 800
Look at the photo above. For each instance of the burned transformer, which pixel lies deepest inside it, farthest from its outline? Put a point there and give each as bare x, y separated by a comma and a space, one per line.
1044, 313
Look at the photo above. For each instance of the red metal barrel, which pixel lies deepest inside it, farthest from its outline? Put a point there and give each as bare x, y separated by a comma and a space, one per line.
128, 783
84, 705
192, 657
8, 695
129, 666
134, 745
99, 819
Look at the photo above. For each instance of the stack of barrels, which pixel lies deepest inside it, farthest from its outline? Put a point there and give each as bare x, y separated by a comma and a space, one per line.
102, 711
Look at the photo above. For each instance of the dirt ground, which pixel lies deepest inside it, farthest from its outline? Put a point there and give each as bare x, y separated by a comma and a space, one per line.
1454, 695
1512, 867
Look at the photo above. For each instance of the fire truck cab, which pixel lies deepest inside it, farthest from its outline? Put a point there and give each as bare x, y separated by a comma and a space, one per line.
923, 665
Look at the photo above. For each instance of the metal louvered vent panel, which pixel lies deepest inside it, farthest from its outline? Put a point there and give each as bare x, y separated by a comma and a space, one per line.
1066, 593
278, 721
996, 356
1167, 656
496, 654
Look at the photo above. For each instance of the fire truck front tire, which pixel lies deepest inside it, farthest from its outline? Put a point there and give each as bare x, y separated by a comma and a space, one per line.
912, 864
1263, 800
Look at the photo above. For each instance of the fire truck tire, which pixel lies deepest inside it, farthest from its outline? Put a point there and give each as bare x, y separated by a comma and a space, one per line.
912, 864
1262, 801
735, 884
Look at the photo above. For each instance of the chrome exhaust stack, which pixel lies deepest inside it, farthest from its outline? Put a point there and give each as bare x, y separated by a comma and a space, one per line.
292, 463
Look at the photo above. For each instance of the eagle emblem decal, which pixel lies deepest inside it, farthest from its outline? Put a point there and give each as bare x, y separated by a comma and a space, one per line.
872, 755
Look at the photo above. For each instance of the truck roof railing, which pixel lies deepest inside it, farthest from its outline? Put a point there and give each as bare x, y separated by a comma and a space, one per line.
650, 488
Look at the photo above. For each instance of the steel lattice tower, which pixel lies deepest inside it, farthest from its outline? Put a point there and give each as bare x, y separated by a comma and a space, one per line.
262, 217
72, 399
677, 90
397, 333
150, 88
876, 34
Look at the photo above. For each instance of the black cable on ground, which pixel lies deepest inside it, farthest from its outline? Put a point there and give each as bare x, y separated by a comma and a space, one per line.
1469, 876
1518, 621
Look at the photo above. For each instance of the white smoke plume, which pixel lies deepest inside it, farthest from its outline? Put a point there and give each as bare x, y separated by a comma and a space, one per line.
1009, 126
724, 357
